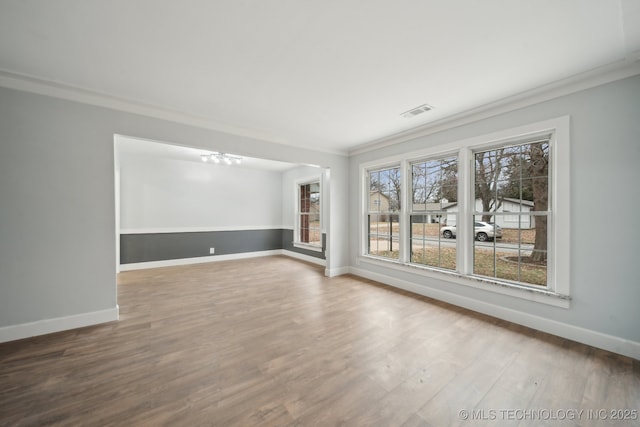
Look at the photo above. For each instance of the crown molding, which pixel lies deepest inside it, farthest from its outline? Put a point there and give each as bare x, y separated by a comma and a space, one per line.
597, 77
26, 83
39, 86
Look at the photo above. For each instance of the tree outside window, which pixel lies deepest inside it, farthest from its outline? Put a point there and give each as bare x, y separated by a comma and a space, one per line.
517, 175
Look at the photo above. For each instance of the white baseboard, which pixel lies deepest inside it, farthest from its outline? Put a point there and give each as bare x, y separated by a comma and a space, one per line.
196, 260
564, 330
303, 257
214, 258
333, 272
58, 324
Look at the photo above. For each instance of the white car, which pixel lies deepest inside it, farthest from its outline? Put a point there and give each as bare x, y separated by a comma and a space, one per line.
483, 231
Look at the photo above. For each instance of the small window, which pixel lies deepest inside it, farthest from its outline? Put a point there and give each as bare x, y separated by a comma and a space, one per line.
308, 223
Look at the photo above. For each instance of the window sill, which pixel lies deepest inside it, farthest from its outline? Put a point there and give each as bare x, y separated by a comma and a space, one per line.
542, 296
307, 246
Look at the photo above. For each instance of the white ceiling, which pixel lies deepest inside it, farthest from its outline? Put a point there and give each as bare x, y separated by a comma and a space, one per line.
324, 74
127, 146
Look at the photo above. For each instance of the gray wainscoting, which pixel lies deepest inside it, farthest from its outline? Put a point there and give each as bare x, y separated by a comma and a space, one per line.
287, 244
148, 247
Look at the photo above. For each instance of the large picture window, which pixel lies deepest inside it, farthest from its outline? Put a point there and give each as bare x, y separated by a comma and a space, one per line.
494, 210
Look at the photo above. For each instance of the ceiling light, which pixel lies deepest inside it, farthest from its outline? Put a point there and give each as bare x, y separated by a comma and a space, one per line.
417, 111
218, 157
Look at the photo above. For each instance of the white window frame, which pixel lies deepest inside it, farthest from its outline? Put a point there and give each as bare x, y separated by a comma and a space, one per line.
557, 292
385, 166
297, 243
409, 211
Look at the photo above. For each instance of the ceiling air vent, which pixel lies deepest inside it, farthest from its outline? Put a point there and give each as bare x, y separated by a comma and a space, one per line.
416, 111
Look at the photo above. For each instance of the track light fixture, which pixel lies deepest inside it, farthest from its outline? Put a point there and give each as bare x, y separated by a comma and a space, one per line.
216, 157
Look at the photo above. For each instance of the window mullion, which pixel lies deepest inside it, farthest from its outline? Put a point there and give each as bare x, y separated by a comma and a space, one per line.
405, 190
365, 229
464, 223
296, 225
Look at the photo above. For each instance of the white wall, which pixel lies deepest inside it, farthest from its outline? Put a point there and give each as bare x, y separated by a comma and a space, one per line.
605, 148
161, 193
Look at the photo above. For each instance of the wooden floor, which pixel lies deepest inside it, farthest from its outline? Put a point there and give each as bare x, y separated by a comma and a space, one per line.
270, 341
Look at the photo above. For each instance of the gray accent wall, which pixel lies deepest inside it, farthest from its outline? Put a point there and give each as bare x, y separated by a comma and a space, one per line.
165, 246
146, 247
57, 212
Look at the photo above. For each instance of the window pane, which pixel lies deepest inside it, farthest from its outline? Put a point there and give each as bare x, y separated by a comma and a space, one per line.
485, 256
385, 241
374, 220
315, 236
304, 198
314, 198
394, 189
375, 192
487, 169
428, 246
375, 202
492, 171
434, 182
449, 194
519, 172
303, 228
418, 174
511, 250
484, 261
419, 199
315, 233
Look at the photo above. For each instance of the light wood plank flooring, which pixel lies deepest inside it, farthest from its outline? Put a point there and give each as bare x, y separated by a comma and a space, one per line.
270, 341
